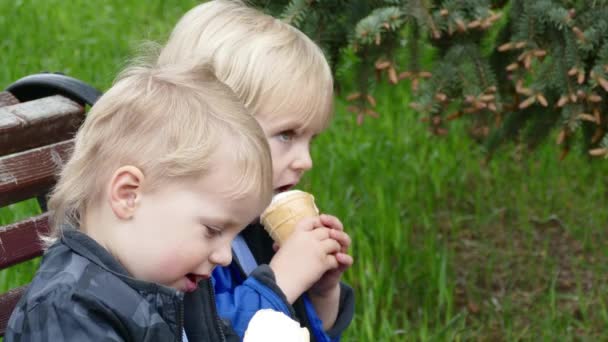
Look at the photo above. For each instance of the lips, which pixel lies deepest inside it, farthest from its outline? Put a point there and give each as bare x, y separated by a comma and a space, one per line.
192, 281
284, 188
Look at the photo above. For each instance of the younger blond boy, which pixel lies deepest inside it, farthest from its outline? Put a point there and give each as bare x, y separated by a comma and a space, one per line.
167, 169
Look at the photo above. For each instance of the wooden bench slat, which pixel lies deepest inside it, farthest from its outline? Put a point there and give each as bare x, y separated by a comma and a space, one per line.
35, 140
37, 123
8, 301
7, 99
19, 241
31, 173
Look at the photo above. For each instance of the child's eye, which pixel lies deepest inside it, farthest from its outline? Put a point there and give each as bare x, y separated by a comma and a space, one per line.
212, 232
286, 136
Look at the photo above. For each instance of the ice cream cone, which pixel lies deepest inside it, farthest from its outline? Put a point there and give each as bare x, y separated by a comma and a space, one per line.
287, 209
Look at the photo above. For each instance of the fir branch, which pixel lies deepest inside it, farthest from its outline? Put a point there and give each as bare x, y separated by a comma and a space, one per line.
369, 30
296, 11
548, 65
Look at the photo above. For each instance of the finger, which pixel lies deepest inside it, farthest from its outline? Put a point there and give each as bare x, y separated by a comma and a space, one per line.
341, 237
331, 222
330, 246
331, 262
344, 259
322, 233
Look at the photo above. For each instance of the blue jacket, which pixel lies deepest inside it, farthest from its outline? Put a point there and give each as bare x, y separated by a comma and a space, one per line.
239, 297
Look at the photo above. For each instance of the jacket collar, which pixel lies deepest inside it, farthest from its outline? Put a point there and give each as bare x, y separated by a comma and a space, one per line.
88, 248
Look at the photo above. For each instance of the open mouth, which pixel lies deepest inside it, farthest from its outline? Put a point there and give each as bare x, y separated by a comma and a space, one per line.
284, 188
195, 278
192, 281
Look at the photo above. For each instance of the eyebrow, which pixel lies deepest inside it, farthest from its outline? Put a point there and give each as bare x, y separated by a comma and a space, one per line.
229, 223
222, 223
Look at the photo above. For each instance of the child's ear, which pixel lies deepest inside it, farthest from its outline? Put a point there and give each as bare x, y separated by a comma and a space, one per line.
125, 191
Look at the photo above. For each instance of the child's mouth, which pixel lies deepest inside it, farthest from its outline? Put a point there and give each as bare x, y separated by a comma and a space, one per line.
284, 188
191, 282
193, 279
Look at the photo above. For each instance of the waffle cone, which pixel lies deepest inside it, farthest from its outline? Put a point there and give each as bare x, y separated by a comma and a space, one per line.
282, 215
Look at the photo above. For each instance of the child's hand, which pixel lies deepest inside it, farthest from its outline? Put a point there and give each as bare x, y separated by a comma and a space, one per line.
303, 258
330, 280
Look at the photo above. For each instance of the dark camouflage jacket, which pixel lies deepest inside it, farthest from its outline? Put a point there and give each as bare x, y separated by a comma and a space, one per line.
81, 293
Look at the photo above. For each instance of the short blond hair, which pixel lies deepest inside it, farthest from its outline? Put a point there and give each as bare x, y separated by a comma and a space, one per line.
274, 68
168, 122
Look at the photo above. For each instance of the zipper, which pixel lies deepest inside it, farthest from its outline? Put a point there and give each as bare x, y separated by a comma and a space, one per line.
218, 321
180, 317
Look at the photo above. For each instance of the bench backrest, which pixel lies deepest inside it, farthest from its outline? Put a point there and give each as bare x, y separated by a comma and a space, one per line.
35, 139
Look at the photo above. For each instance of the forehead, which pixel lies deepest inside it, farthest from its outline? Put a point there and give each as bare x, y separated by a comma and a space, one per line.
230, 175
229, 204
303, 103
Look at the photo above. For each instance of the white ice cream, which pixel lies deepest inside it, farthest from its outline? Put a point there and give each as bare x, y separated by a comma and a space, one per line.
281, 196
272, 326
284, 194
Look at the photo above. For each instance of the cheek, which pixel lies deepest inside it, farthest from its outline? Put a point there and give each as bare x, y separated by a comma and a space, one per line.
276, 149
179, 261
278, 152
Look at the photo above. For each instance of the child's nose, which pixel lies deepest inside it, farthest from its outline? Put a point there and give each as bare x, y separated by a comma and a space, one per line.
223, 255
303, 160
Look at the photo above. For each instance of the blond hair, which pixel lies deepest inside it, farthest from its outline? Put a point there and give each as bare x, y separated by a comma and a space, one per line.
273, 67
168, 122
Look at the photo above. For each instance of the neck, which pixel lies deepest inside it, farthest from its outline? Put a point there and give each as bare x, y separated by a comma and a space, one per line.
95, 224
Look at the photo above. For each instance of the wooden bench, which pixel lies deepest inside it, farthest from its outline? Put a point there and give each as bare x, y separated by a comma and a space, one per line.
38, 118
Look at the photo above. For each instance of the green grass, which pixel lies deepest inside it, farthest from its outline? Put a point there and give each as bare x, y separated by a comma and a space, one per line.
446, 248
449, 249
